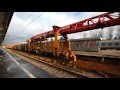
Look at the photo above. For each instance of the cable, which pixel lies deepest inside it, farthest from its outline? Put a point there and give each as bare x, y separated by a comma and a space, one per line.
24, 21
39, 16
70, 17
14, 15
65, 19
34, 20
29, 23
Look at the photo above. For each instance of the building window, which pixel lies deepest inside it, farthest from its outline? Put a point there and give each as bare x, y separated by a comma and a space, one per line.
96, 44
116, 44
103, 44
109, 44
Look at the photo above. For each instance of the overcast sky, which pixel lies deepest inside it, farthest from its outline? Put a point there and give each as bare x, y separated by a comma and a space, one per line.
27, 24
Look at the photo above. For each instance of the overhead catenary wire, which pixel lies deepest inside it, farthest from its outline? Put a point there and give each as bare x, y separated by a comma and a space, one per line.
34, 19
59, 22
50, 25
37, 18
28, 24
24, 21
69, 18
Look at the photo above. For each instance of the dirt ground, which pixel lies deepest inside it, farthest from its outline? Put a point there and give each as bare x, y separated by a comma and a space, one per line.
114, 53
112, 69
105, 68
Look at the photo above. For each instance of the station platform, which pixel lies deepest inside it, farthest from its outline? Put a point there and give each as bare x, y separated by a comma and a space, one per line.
12, 66
101, 53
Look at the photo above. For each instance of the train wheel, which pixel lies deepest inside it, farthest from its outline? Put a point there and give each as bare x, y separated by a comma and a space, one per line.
56, 52
73, 64
51, 60
61, 58
65, 62
60, 61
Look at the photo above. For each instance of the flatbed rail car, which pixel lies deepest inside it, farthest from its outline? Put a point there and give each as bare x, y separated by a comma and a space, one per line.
88, 44
34, 47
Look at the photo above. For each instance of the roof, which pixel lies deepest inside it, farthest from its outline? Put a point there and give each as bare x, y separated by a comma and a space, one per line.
5, 18
114, 40
84, 39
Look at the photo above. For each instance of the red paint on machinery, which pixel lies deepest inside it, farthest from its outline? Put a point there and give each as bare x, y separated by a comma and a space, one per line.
100, 21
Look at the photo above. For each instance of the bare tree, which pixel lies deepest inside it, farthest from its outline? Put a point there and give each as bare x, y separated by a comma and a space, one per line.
84, 34
93, 34
117, 34
97, 33
100, 33
110, 33
81, 34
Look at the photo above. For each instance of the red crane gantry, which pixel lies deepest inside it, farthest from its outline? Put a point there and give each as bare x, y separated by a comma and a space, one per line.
100, 21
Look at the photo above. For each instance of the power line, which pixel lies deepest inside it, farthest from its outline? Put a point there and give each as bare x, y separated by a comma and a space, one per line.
70, 17
65, 19
23, 14
39, 16
29, 24
25, 21
34, 20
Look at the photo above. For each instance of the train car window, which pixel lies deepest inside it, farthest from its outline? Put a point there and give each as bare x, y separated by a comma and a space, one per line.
96, 44
117, 44
84, 44
88, 44
109, 44
103, 44
81, 44
72, 44
76, 44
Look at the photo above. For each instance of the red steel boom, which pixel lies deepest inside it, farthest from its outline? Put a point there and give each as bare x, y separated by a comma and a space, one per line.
100, 21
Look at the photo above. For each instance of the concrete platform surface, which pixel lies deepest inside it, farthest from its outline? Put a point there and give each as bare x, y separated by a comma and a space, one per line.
12, 66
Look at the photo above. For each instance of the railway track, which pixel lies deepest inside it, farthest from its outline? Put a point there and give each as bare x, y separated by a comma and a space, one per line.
57, 70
